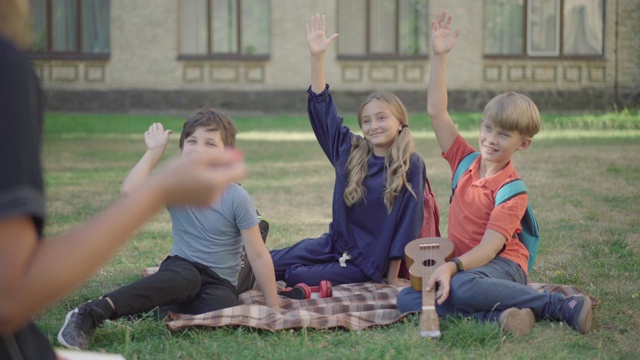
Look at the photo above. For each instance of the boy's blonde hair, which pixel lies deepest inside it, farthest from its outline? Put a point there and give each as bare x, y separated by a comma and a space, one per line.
15, 22
396, 161
211, 120
513, 111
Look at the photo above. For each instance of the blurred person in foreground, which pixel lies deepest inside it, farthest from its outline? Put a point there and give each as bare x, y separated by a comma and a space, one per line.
34, 271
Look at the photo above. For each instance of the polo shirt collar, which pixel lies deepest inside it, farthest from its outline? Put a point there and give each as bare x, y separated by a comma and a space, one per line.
493, 182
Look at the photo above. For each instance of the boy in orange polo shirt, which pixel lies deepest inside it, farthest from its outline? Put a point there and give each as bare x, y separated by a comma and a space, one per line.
487, 278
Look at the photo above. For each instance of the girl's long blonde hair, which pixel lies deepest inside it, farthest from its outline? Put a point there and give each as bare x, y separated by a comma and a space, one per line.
396, 161
15, 22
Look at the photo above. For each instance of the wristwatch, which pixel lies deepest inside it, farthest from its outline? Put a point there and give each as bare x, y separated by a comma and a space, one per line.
458, 264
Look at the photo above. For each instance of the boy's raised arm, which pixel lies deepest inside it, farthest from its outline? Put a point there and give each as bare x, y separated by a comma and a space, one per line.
442, 41
318, 45
156, 139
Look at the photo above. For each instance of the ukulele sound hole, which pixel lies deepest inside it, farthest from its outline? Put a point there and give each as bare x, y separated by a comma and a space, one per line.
428, 262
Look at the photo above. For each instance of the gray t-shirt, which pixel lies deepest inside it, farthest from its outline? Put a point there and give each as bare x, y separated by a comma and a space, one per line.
211, 235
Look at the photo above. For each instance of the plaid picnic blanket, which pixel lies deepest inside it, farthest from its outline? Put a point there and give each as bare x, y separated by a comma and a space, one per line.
352, 306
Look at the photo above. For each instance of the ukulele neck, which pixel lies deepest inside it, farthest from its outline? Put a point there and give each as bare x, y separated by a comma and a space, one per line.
429, 323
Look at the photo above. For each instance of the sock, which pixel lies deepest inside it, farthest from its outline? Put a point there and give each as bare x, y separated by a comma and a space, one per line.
104, 305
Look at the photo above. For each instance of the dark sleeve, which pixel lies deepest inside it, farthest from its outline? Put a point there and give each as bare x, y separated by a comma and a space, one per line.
334, 138
411, 214
21, 108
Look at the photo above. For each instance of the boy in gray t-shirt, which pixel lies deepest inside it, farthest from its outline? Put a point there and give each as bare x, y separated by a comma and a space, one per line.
201, 272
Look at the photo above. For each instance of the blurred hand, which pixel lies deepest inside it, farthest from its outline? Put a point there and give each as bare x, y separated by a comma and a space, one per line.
199, 180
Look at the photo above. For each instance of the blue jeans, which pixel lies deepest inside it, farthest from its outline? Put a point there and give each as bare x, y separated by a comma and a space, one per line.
484, 292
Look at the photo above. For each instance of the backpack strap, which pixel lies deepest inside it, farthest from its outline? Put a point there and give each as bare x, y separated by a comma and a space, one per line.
463, 166
530, 234
510, 190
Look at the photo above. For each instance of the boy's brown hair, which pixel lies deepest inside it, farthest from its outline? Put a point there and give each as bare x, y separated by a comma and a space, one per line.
513, 111
211, 120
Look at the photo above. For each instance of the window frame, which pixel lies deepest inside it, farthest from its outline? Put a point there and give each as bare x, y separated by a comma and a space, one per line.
376, 56
559, 38
224, 56
49, 54
529, 29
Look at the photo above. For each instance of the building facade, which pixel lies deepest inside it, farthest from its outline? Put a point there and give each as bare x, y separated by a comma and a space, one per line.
251, 55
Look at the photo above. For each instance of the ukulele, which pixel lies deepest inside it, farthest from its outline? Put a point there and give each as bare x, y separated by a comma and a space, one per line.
423, 256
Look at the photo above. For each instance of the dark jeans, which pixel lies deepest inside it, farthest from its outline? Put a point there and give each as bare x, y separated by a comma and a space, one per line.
179, 286
484, 292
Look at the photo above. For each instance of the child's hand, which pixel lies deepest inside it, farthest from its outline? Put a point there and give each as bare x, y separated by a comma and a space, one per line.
316, 37
157, 137
442, 39
442, 276
400, 282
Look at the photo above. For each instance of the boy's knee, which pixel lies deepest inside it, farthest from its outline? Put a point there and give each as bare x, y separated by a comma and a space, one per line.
296, 274
460, 286
186, 281
192, 284
409, 300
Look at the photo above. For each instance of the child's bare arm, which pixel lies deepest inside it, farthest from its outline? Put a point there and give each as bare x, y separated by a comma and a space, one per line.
442, 41
156, 139
392, 274
490, 245
262, 265
318, 45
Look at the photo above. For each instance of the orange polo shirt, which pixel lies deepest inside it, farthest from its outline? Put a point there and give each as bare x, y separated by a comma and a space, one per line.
472, 210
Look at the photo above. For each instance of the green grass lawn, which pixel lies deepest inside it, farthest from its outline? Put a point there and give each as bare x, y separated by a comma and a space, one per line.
583, 177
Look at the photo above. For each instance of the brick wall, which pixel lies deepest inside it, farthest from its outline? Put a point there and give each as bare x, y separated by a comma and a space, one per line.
144, 73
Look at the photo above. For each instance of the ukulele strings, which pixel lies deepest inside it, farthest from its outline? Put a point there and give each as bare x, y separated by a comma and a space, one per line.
428, 255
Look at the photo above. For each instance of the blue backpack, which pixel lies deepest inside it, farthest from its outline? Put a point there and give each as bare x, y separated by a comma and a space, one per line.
529, 236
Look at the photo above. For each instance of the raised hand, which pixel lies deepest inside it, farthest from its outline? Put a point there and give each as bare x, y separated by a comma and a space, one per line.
442, 38
157, 138
316, 37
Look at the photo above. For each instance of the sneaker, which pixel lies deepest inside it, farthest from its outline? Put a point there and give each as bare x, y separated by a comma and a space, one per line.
295, 293
576, 312
517, 321
79, 326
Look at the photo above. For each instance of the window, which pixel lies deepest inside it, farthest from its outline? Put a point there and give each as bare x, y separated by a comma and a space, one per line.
383, 28
70, 28
224, 29
544, 27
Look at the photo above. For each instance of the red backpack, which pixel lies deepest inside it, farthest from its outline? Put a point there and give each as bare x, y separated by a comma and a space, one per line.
430, 224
